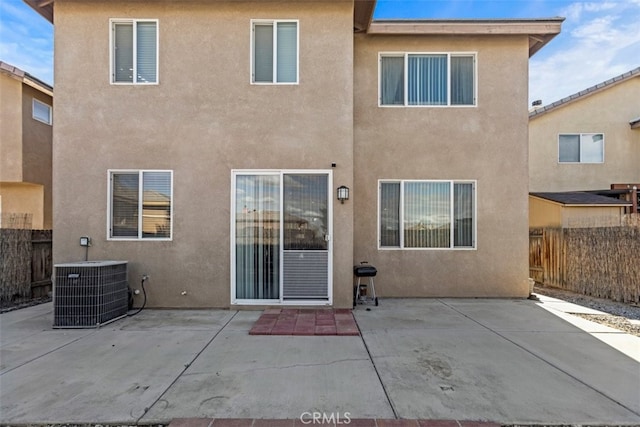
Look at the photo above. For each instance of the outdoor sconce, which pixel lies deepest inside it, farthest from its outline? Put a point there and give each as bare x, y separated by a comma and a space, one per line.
343, 193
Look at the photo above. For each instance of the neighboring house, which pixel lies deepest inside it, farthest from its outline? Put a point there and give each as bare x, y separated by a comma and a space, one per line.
574, 210
25, 149
589, 141
228, 127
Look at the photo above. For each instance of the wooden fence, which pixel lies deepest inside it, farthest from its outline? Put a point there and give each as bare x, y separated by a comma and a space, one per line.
602, 261
41, 263
25, 264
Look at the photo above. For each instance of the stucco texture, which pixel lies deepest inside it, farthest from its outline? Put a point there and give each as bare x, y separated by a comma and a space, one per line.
23, 198
37, 151
203, 120
11, 129
487, 143
608, 112
25, 153
545, 213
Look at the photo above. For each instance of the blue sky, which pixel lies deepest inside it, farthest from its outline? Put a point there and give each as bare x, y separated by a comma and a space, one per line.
599, 39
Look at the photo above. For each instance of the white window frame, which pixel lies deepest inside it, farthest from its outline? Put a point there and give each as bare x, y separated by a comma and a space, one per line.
280, 173
451, 213
580, 135
406, 55
274, 22
49, 119
112, 59
140, 172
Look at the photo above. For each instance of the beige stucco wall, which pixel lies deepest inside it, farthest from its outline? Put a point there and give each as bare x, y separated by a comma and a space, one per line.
202, 120
591, 216
10, 128
23, 198
545, 213
487, 143
607, 112
25, 149
36, 150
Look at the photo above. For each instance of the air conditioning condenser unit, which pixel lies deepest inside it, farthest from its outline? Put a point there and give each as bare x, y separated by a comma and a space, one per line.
89, 294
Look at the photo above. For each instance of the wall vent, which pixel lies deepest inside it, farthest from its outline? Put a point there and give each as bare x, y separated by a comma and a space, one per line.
89, 294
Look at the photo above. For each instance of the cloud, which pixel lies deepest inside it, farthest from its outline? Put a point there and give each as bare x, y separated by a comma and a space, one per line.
575, 10
26, 40
593, 48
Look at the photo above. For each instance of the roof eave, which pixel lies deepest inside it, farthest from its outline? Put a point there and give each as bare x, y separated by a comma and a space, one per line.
540, 31
587, 92
363, 15
589, 205
43, 7
618, 204
25, 78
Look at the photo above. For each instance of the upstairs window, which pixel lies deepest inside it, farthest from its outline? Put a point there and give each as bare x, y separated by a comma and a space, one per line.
275, 52
141, 204
581, 148
134, 54
427, 214
41, 112
427, 79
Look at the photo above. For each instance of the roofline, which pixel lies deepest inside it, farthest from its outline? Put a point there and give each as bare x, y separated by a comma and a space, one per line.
579, 205
470, 20
587, 92
26, 78
43, 7
362, 13
540, 30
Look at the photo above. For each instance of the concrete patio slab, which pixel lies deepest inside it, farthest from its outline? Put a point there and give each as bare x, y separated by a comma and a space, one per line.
472, 375
503, 361
110, 375
275, 377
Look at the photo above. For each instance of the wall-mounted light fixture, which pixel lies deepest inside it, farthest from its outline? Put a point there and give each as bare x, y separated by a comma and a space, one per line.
343, 193
86, 242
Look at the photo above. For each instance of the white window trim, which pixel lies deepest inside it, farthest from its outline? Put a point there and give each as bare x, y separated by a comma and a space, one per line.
580, 135
49, 108
112, 74
405, 55
274, 22
451, 212
280, 172
110, 173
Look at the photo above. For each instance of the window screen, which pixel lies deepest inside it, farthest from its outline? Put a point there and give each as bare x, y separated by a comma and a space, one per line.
141, 204
275, 52
139, 65
427, 214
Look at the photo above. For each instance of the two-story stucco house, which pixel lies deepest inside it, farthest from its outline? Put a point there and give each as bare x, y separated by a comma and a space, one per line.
589, 141
204, 142
26, 119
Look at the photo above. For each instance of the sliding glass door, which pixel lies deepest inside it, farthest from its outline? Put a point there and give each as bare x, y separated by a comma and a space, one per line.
257, 232
281, 237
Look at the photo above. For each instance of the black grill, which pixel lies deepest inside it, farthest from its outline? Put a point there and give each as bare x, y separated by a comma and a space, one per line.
364, 292
365, 271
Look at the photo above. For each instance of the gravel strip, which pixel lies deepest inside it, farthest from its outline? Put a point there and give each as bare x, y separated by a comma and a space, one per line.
621, 316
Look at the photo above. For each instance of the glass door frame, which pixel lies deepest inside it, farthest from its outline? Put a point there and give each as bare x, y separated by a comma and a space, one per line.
233, 214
